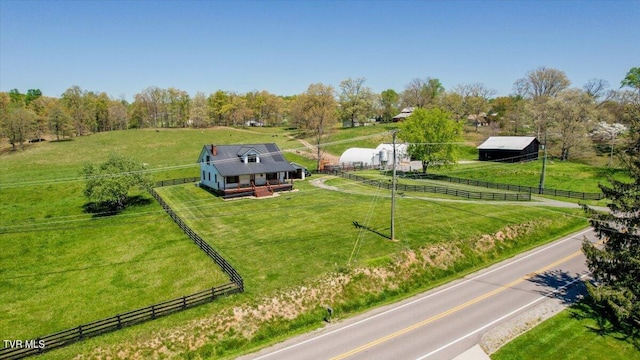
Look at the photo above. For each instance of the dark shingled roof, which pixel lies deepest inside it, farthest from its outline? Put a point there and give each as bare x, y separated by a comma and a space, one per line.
228, 159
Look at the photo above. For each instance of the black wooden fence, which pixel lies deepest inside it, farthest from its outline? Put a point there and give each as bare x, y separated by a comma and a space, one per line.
490, 185
66, 337
440, 190
234, 276
170, 182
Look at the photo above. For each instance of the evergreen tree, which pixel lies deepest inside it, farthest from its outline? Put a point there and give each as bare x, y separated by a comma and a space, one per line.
616, 265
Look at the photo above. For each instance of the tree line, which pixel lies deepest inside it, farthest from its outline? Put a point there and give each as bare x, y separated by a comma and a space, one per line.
542, 104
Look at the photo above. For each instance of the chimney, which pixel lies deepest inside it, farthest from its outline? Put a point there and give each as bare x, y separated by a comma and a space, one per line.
214, 150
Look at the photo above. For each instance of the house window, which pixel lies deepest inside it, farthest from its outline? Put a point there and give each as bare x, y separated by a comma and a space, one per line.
252, 158
233, 179
208, 159
203, 175
209, 176
272, 176
215, 177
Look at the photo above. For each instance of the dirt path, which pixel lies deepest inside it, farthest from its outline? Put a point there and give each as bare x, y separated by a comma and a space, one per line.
312, 151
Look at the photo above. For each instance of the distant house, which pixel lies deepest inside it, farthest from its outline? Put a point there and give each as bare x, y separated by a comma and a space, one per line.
241, 170
405, 113
509, 149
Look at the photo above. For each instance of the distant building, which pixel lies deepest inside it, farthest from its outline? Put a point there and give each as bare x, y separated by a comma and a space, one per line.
405, 113
380, 156
509, 149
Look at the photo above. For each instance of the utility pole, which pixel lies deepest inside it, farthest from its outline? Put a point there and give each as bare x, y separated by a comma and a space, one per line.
393, 190
544, 164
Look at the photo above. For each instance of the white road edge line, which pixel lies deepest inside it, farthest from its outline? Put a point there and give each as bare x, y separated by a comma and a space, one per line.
545, 296
425, 297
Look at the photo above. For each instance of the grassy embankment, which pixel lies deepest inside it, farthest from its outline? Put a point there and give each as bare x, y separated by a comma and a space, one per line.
282, 244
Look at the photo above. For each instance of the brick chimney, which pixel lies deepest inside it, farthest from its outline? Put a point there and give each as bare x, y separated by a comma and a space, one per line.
214, 150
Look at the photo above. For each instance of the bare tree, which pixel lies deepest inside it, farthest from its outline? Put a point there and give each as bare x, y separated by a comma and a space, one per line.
475, 99
422, 92
316, 111
198, 115
540, 82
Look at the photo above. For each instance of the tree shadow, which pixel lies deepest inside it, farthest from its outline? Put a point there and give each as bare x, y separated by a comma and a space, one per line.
104, 209
589, 309
561, 285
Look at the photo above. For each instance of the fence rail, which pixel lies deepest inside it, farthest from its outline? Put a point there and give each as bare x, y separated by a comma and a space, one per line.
491, 185
214, 255
170, 182
476, 195
69, 336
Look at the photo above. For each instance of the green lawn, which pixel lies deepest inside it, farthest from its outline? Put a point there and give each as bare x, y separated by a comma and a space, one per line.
559, 175
572, 334
301, 235
62, 267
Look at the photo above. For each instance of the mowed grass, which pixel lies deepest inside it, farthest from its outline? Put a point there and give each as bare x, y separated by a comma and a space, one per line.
572, 334
61, 267
295, 237
560, 175
168, 153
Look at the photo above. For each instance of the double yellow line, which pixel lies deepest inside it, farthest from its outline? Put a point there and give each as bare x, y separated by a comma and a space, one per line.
455, 309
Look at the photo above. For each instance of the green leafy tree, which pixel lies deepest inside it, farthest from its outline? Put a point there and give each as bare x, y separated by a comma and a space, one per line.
616, 266
32, 94
356, 100
431, 134
389, 101
108, 184
59, 121
17, 125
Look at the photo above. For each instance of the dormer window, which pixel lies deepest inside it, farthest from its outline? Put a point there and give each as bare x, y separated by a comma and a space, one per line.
252, 158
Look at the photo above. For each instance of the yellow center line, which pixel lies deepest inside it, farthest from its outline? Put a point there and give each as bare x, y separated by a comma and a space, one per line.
454, 309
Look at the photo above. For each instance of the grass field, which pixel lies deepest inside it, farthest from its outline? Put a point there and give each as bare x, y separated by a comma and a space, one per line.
572, 334
94, 267
559, 175
304, 234
279, 243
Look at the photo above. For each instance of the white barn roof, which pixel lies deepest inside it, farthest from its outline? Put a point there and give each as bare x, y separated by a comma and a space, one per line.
358, 155
506, 143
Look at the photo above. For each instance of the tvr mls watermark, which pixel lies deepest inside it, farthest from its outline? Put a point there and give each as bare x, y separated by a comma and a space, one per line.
24, 344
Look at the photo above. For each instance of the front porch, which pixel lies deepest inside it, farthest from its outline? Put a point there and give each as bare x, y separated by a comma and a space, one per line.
268, 189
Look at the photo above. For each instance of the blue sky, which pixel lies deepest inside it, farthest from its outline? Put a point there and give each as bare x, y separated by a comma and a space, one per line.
123, 47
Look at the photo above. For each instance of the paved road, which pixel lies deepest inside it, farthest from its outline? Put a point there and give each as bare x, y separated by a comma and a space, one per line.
444, 322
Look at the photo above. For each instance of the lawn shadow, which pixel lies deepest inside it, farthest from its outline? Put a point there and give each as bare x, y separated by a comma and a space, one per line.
103, 209
561, 285
588, 309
